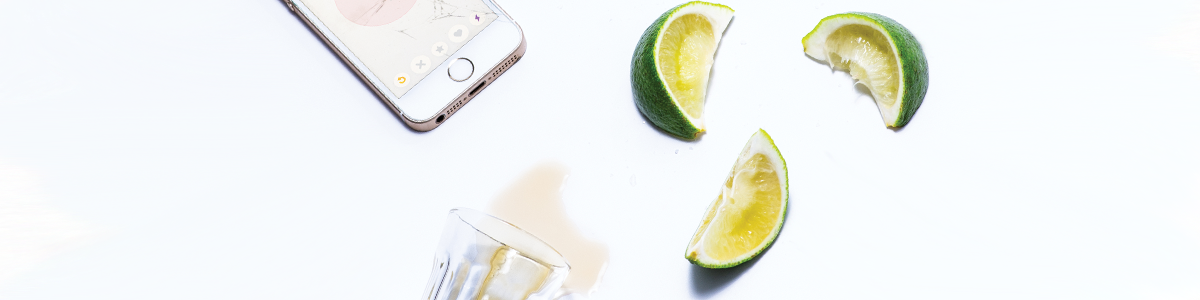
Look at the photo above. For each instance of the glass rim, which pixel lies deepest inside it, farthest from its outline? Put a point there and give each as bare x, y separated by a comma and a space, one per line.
547, 255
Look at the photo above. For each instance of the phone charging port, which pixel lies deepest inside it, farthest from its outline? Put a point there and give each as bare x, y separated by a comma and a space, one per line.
477, 88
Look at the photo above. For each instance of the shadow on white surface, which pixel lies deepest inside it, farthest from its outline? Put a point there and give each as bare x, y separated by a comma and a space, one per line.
709, 282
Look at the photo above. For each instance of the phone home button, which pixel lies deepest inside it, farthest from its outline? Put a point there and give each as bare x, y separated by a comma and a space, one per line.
461, 69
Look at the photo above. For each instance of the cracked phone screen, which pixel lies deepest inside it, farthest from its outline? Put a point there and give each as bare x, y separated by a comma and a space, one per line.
401, 41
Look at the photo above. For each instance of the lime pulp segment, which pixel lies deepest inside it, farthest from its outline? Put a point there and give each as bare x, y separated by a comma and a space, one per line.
879, 53
747, 223
749, 212
685, 55
672, 63
867, 55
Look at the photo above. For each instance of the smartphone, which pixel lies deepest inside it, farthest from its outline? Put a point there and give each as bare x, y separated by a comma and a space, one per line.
424, 58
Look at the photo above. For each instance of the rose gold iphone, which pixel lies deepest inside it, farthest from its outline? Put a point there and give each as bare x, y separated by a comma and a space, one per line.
424, 58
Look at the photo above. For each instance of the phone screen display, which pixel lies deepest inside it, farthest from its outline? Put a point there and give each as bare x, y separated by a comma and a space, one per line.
401, 41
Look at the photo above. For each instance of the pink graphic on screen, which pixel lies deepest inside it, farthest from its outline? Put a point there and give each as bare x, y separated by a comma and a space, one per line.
374, 12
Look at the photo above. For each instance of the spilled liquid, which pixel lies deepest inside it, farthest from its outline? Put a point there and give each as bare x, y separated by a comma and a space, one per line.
534, 203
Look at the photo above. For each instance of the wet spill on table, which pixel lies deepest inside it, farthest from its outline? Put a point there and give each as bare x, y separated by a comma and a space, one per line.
534, 203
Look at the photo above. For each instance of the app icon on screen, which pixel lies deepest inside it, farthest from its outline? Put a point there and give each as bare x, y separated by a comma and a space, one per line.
421, 63
476, 18
458, 33
440, 49
400, 80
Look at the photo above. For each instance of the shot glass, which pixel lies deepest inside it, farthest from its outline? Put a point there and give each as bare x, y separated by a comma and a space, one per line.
481, 257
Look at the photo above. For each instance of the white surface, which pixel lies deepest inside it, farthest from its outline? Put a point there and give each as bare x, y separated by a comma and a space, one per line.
1055, 156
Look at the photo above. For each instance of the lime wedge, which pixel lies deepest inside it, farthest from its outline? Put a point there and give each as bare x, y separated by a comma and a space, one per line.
748, 214
880, 54
671, 66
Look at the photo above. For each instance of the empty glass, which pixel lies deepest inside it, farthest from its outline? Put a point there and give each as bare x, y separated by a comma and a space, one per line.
481, 257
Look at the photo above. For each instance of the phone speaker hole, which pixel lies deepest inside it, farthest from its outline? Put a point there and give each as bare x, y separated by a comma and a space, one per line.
441, 118
504, 67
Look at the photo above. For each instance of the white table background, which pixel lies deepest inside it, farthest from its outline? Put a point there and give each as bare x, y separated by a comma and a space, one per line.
218, 150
